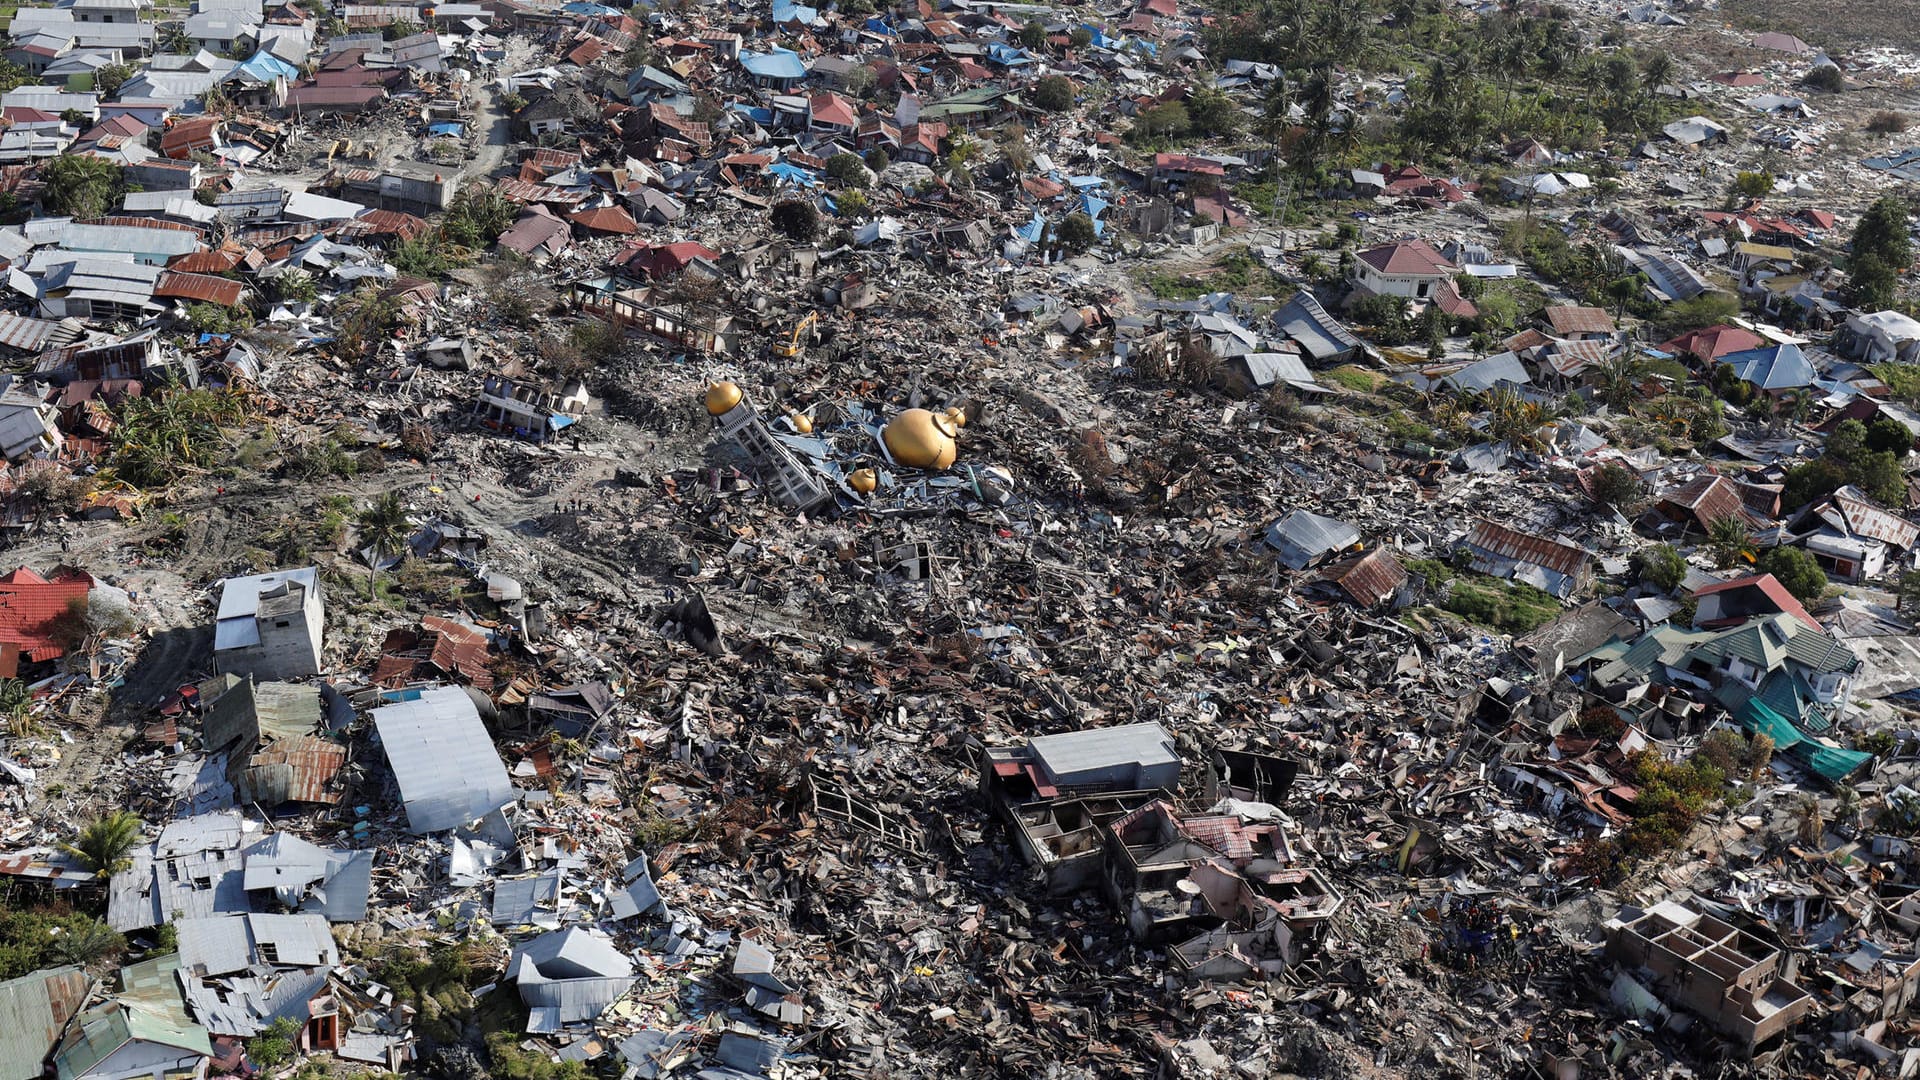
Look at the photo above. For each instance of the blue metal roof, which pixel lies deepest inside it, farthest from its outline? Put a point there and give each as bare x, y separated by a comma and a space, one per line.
778, 64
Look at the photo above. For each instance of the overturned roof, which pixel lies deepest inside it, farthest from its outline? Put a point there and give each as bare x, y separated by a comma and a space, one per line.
443, 759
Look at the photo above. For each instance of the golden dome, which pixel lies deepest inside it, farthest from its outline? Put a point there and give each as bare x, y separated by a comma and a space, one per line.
864, 481
722, 397
957, 417
801, 422
921, 440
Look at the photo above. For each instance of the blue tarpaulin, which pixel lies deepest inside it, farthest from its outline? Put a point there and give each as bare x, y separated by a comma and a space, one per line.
793, 173
786, 11
778, 64
447, 127
1033, 229
1093, 207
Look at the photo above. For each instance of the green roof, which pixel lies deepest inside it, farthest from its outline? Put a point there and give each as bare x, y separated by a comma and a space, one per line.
33, 1010
1831, 763
150, 1011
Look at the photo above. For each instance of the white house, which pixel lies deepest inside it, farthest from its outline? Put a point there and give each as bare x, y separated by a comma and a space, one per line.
1409, 268
270, 626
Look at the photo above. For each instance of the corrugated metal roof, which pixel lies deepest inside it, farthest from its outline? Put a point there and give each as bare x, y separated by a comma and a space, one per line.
202, 287
1369, 579
217, 945
1523, 547
25, 333
448, 771
1303, 537
33, 1010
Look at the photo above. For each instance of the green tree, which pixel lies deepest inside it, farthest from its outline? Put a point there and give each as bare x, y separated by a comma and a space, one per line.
1888, 435
1168, 120
1797, 570
1752, 185
384, 527
1076, 233
796, 218
1660, 566
1909, 591
1212, 112
13, 76
1617, 486
1878, 474
274, 1046
110, 78
80, 185
877, 160
1880, 250
847, 169
1848, 441
1053, 93
104, 842
1034, 34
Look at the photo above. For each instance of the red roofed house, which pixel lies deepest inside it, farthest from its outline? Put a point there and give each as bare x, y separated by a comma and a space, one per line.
1731, 603
32, 611
1713, 342
606, 220
831, 113
1410, 268
665, 261
1171, 169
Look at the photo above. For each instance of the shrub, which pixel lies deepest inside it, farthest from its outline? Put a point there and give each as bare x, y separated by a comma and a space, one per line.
1660, 566
273, 1046
1053, 93
1618, 487
797, 219
1827, 78
1888, 122
1076, 233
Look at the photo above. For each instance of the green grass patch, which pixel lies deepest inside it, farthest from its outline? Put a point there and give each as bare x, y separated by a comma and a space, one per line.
1509, 608
1357, 379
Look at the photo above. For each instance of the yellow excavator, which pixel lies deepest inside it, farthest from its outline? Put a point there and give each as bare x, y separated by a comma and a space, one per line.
790, 348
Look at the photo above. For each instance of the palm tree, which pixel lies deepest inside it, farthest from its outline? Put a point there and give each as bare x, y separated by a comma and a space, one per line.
385, 529
1730, 540
85, 942
174, 39
1657, 70
1618, 381
104, 842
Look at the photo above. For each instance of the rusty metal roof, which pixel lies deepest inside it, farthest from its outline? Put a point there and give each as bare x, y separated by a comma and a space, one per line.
1566, 559
202, 287
459, 649
294, 770
1368, 579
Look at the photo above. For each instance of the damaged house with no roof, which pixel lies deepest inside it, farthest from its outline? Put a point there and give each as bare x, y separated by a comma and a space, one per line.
269, 626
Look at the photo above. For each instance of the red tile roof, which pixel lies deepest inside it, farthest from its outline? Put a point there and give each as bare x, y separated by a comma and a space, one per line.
1713, 342
30, 611
831, 109
1407, 257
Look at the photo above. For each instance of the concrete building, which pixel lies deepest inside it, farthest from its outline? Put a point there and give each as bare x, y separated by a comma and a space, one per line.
1732, 979
1411, 268
270, 626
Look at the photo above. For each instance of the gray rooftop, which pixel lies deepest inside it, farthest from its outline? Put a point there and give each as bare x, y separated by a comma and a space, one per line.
447, 768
